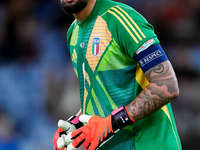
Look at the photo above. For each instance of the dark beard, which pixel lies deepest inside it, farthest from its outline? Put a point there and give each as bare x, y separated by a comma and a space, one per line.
74, 8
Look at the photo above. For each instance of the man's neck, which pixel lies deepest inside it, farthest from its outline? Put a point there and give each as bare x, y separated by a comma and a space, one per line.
80, 16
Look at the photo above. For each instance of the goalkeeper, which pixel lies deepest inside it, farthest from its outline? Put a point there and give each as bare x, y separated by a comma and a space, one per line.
125, 78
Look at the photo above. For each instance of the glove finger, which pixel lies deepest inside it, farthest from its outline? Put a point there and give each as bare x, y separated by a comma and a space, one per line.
66, 126
57, 136
84, 136
78, 141
76, 133
86, 144
89, 135
68, 137
84, 118
71, 147
61, 142
78, 137
92, 146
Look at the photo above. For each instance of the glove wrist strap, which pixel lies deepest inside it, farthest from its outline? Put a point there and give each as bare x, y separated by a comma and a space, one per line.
120, 118
75, 121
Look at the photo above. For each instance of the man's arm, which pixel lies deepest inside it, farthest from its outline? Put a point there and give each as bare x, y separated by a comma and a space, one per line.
162, 88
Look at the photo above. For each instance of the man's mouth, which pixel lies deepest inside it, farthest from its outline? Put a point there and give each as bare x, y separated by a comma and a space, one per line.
68, 1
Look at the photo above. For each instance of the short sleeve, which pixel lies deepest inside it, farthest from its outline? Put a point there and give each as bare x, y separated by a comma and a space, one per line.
130, 29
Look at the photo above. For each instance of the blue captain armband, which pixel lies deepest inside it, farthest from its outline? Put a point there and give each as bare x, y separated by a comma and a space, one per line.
151, 57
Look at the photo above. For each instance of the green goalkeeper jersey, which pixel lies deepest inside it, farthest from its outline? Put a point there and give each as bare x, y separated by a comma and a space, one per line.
102, 49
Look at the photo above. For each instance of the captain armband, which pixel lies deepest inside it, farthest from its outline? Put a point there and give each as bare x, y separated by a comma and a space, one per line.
151, 57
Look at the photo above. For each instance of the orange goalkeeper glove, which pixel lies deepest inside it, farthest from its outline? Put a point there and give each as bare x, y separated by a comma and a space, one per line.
65, 127
98, 130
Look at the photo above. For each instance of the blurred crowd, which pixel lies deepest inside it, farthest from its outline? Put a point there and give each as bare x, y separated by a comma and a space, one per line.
37, 81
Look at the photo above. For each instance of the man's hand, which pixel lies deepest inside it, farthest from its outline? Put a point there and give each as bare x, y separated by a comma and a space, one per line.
65, 127
98, 130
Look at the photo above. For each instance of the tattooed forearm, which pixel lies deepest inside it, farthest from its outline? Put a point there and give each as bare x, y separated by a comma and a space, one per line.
162, 89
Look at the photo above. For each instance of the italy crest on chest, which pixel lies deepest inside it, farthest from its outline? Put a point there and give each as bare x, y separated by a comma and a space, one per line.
95, 46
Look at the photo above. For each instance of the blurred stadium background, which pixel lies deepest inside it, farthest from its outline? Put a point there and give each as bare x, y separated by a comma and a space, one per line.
37, 82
